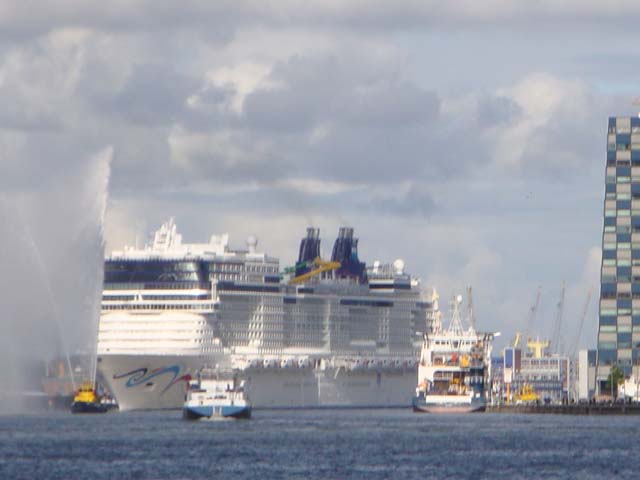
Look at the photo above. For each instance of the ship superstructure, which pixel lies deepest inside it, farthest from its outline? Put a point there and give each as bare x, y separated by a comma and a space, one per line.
328, 333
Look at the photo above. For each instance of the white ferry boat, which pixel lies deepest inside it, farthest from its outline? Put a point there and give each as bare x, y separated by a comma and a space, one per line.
326, 334
454, 368
214, 396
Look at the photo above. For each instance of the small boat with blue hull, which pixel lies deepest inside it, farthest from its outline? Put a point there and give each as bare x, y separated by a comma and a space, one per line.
212, 397
453, 367
196, 412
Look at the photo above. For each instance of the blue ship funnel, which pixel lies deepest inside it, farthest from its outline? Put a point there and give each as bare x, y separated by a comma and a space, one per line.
309, 251
345, 251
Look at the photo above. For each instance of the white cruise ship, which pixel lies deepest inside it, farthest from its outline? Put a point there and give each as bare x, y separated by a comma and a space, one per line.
328, 334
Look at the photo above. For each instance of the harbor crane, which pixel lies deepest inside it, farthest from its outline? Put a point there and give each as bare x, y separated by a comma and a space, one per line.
532, 315
516, 340
555, 339
537, 347
585, 310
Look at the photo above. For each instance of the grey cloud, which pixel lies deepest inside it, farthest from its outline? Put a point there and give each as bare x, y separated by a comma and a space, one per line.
374, 155
211, 110
309, 88
444, 149
154, 94
391, 106
416, 201
142, 159
497, 110
19, 20
32, 90
372, 126
395, 200
214, 96
338, 89
568, 146
18, 113
349, 116
253, 164
282, 110
40, 161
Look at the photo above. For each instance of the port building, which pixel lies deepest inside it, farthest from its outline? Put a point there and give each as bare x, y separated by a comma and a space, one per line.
535, 371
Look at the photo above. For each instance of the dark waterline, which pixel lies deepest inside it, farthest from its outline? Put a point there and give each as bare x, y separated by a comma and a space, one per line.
340, 444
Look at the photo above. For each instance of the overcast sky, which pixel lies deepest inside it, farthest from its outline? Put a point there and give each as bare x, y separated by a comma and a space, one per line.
467, 138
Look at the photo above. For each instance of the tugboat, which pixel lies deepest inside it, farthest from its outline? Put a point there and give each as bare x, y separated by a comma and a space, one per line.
453, 367
211, 397
86, 400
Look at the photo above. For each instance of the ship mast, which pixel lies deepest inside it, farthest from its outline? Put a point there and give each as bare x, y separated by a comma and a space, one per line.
470, 314
455, 327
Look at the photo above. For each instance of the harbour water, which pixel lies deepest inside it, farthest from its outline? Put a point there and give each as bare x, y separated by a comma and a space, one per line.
335, 444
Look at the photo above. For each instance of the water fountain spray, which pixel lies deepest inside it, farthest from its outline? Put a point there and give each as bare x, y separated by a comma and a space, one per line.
95, 308
52, 299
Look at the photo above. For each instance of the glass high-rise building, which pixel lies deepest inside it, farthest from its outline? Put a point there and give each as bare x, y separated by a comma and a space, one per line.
619, 324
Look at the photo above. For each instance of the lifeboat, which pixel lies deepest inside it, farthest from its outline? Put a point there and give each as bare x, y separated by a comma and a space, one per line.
286, 362
254, 363
268, 363
326, 364
358, 364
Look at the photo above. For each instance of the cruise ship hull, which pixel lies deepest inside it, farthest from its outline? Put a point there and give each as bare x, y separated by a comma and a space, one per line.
317, 388
149, 381
159, 382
